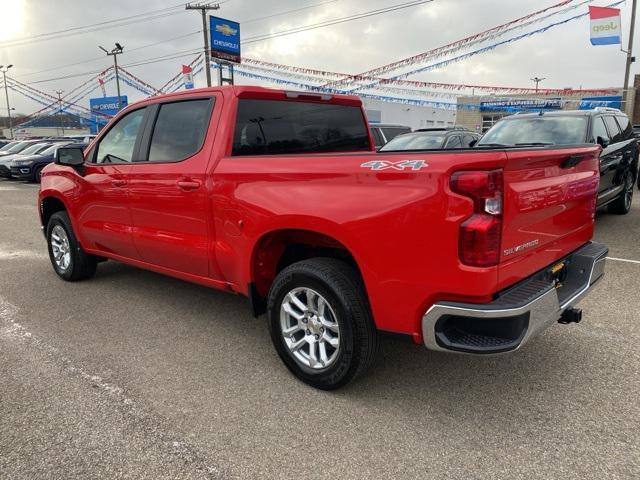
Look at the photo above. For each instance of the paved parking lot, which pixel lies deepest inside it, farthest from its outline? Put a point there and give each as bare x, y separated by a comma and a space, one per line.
135, 375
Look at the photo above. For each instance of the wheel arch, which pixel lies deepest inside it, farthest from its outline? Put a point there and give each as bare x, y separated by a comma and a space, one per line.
277, 249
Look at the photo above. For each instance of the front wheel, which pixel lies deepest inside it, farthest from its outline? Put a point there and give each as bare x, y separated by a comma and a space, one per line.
69, 261
622, 204
321, 323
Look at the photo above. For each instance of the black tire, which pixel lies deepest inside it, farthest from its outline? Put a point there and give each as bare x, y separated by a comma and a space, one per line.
343, 290
81, 265
37, 176
622, 204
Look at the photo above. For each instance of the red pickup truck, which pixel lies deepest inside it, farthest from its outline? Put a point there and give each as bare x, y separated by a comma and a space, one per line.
280, 196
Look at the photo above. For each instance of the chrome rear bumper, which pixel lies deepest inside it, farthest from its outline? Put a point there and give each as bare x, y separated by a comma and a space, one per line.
517, 314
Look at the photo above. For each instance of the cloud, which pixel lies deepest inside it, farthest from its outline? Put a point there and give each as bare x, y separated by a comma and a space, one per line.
562, 55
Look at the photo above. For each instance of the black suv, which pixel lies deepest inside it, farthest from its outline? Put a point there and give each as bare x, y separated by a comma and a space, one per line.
608, 127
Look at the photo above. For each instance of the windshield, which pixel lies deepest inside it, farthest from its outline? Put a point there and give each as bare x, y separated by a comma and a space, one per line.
34, 148
546, 130
8, 146
18, 147
419, 141
52, 149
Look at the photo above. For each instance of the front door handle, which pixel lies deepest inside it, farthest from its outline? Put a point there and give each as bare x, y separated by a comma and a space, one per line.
118, 183
188, 185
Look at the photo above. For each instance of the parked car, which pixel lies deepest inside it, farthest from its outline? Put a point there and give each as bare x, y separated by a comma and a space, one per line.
281, 196
85, 139
16, 147
385, 132
29, 167
608, 127
31, 149
433, 139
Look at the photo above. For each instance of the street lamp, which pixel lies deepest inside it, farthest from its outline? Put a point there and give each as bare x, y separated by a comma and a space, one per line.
114, 53
4, 69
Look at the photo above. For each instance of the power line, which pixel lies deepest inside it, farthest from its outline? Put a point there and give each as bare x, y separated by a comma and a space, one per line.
121, 22
95, 59
349, 18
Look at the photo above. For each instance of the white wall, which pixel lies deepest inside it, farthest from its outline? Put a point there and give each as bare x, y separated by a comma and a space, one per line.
410, 115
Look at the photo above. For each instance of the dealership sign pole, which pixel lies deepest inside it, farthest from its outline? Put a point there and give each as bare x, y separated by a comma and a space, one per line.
225, 45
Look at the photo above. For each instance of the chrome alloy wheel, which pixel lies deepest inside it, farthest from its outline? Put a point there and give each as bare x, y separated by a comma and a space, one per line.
60, 248
309, 328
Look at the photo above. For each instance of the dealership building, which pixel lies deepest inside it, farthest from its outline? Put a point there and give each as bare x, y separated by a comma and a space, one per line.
480, 113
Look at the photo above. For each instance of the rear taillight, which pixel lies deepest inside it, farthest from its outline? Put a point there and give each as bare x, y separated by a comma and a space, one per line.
481, 233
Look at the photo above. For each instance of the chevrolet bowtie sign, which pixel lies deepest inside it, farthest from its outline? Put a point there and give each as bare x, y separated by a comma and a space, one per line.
225, 39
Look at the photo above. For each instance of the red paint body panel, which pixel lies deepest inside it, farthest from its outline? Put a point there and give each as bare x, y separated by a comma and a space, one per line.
400, 226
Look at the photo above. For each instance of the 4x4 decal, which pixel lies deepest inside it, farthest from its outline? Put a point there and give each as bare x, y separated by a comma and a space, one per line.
401, 165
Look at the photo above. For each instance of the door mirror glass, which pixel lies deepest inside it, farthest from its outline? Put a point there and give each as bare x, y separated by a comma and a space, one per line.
603, 142
70, 156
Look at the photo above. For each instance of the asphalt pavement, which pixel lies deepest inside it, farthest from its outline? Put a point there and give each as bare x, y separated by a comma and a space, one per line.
136, 375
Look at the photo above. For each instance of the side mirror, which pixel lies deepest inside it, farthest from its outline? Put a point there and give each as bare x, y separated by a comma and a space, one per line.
603, 142
472, 143
70, 156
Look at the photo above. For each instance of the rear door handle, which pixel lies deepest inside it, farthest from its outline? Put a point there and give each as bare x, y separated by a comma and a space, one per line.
118, 183
188, 185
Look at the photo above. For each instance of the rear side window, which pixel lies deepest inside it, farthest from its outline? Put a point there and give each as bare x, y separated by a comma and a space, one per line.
625, 126
614, 130
468, 140
180, 130
393, 132
599, 129
377, 138
271, 127
454, 142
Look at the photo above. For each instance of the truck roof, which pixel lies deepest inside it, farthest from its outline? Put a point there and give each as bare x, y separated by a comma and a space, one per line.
264, 93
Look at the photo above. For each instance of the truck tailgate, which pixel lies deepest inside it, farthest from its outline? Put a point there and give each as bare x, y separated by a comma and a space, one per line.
549, 207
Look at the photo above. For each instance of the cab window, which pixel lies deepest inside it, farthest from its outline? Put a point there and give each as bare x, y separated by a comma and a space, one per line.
118, 144
180, 130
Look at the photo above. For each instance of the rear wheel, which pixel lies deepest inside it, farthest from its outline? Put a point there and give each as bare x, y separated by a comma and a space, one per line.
68, 259
622, 204
321, 323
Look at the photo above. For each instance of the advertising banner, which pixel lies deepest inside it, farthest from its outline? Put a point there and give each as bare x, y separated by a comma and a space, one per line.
225, 39
518, 105
103, 108
605, 26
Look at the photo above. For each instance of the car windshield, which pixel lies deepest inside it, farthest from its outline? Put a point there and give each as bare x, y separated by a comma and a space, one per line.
34, 148
18, 147
415, 141
8, 146
543, 130
52, 149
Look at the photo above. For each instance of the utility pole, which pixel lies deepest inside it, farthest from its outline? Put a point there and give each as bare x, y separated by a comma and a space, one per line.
630, 58
205, 31
114, 53
4, 69
61, 122
537, 81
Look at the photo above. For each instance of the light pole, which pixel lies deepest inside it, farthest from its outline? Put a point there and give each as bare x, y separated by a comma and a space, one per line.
203, 11
4, 69
537, 81
61, 119
630, 59
114, 53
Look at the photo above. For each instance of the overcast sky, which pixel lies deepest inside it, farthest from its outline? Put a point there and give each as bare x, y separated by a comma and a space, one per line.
563, 55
